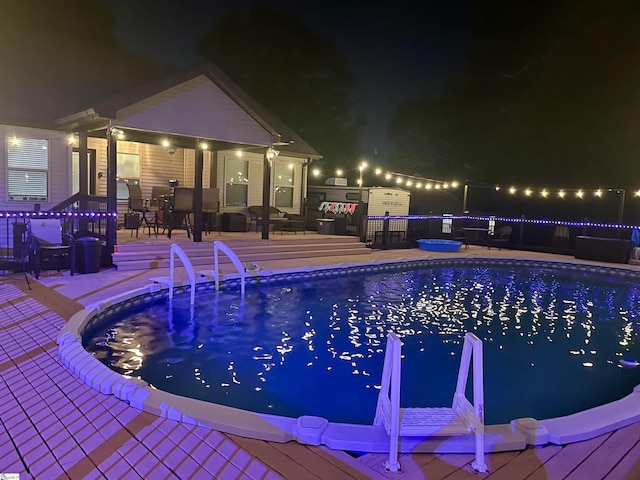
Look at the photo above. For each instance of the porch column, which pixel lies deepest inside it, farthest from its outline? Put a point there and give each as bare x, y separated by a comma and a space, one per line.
83, 172
266, 190
303, 187
112, 185
197, 192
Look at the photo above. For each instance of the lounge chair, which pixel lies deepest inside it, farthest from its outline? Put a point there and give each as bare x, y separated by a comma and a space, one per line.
48, 245
255, 212
502, 238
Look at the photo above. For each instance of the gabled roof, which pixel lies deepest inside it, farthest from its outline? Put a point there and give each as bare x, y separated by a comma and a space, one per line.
282, 135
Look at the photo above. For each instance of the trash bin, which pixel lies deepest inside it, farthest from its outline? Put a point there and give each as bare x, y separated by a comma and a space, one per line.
88, 253
326, 226
341, 225
234, 222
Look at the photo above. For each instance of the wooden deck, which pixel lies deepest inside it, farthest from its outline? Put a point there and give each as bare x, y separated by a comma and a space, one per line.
54, 426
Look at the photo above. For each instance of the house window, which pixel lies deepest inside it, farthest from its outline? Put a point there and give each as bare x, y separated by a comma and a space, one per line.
283, 184
236, 182
128, 168
27, 169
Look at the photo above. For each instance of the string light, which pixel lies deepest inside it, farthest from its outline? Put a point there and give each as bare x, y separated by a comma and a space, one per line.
416, 181
531, 221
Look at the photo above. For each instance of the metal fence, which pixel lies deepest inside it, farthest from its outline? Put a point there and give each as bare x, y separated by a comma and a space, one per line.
14, 227
390, 232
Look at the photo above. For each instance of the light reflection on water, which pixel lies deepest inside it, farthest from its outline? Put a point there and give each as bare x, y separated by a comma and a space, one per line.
552, 342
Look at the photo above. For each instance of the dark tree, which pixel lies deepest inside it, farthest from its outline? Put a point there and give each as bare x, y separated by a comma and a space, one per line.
548, 96
294, 72
58, 57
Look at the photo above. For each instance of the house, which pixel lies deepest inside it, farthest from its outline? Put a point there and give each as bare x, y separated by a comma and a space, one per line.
196, 127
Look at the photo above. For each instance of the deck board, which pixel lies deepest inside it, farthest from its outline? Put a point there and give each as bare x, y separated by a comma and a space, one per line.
315, 461
608, 454
285, 464
525, 463
567, 460
628, 468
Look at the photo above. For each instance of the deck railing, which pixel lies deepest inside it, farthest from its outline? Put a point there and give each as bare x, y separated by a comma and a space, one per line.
91, 220
389, 232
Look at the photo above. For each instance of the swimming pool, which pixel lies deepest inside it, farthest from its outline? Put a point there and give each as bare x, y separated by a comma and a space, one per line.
293, 347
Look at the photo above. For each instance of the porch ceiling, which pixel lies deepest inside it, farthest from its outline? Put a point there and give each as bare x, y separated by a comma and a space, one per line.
156, 138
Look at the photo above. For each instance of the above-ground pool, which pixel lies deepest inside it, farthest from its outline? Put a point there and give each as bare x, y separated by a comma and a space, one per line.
313, 344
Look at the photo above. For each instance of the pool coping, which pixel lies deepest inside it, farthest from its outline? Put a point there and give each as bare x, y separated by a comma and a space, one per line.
311, 430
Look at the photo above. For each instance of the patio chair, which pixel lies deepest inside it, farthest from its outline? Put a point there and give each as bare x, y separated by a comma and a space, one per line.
502, 238
139, 205
48, 245
161, 200
181, 210
210, 205
255, 212
158, 196
460, 235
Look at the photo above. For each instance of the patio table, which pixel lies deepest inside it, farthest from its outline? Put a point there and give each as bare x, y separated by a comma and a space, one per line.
479, 234
288, 225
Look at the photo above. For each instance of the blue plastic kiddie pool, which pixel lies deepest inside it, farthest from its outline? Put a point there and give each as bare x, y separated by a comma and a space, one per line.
439, 245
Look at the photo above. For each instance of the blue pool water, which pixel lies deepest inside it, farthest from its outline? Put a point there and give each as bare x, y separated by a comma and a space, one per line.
553, 339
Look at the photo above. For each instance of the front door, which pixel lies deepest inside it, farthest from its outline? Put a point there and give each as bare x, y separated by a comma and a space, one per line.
92, 175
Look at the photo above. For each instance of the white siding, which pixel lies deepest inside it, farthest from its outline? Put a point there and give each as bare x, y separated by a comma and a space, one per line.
59, 177
156, 166
196, 108
256, 178
190, 168
392, 200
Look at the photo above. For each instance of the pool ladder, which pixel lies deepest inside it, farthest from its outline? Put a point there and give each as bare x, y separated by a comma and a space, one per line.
176, 250
219, 246
462, 418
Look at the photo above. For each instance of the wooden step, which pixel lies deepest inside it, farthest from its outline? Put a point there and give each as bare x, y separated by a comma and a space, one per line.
208, 244
135, 263
195, 252
149, 256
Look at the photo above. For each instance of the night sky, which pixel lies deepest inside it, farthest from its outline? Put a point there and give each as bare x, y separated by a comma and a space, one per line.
395, 53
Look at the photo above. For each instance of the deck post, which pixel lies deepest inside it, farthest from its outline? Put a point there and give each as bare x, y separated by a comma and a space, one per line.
112, 185
197, 192
266, 187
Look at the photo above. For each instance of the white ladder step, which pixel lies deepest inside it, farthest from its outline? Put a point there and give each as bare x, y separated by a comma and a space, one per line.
432, 421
